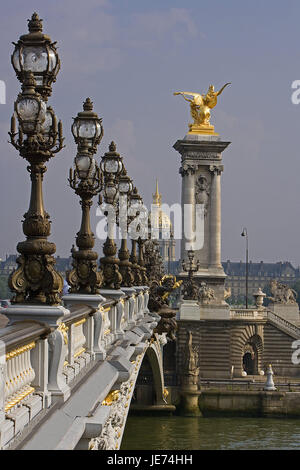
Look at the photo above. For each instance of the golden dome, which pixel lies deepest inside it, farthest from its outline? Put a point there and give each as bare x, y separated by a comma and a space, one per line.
164, 220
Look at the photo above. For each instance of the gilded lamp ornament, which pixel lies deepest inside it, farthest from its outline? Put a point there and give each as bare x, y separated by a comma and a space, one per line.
37, 136
86, 181
200, 106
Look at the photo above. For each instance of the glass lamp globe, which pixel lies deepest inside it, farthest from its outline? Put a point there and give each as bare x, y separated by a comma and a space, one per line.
31, 111
50, 123
110, 193
85, 166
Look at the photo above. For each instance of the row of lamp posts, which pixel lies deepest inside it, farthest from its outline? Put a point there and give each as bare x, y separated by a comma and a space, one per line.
37, 135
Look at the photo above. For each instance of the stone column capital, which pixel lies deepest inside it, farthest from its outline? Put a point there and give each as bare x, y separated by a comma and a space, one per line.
186, 169
216, 169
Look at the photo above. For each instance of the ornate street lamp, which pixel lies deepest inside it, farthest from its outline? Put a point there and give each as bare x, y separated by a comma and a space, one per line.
111, 166
86, 180
38, 138
125, 266
190, 288
135, 201
35, 52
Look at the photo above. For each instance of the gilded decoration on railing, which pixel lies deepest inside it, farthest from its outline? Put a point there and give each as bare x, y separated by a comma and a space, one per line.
111, 398
21, 350
64, 329
159, 303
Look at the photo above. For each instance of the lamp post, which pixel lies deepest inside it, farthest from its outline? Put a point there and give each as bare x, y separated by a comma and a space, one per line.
37, 139
245, 234
136, 201
86, 181
125, 266
191, 289
111, 166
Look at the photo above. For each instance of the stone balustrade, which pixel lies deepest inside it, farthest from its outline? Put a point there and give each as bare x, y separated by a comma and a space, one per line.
284, 324
243, 313
41, 362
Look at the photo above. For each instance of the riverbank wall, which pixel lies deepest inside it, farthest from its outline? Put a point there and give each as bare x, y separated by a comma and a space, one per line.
225, 401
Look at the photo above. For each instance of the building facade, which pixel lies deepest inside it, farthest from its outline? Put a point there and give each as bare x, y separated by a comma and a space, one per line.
259, 275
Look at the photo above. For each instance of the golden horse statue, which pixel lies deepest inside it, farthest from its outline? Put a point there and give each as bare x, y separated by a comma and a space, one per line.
200, 106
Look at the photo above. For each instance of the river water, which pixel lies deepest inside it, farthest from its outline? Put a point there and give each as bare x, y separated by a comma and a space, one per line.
180, 433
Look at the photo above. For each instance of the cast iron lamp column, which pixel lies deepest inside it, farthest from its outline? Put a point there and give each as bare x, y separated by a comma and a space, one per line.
135, 201
190, 288
111, 166
37, 139
125, 266
86, 180
245, 234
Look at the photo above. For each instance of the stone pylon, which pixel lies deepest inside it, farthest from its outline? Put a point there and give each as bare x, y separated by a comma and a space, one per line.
201, 169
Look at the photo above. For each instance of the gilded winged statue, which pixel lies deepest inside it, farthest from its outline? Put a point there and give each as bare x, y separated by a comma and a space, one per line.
200, 106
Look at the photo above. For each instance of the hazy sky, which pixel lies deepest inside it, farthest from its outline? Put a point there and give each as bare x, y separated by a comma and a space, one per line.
130, 56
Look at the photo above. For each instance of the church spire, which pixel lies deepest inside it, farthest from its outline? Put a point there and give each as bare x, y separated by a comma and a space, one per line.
156, 196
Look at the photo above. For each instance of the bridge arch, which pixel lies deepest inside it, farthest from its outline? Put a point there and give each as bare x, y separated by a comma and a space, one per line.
151, 374
247, 350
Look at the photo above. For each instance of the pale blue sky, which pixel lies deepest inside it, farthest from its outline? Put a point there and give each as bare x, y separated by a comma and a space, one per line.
129, 57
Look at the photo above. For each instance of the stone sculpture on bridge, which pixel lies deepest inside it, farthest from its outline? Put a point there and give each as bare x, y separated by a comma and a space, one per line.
206, 294
282, 293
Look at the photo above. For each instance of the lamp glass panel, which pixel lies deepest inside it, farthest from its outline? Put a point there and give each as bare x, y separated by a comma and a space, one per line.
87, 129
15, 59
28, 109
98, 129
47, 123
83, 163
52, 60
124, 187
35, 58
111, 165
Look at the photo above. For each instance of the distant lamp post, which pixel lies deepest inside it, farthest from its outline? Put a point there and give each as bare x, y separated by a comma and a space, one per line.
245, 234
37, 138
111, 166
125, 266
36, 53
135, 201
190, 288
86, 180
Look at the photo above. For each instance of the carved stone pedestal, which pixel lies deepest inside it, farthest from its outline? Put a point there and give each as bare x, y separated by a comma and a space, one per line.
189, 310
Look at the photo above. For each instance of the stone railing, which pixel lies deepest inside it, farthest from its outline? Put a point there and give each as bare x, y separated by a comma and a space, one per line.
41, 362
22, 395
243, 313
284, 324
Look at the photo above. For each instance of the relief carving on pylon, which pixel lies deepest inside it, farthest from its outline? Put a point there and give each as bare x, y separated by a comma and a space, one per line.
202, 190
